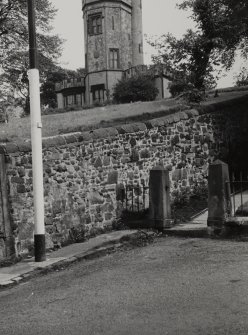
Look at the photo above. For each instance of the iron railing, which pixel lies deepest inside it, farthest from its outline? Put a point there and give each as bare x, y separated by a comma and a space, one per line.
238, 187
135, 198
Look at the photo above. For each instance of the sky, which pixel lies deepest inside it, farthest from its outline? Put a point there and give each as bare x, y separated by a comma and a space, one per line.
158, 19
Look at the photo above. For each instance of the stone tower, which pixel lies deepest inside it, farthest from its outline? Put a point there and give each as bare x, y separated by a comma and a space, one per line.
113, 45
113, 34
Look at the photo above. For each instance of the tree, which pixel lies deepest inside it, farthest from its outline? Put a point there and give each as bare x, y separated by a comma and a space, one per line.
48, 93
137, 88
225, 21
213, 43
189, 59
14, 44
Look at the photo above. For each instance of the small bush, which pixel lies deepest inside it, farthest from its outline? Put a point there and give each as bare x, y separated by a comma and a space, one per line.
186, 91
242, 78
138, 88
193, 95
178, 87
180, 198
200, 190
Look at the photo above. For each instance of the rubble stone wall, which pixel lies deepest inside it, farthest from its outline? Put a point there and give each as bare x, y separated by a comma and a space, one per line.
82, 171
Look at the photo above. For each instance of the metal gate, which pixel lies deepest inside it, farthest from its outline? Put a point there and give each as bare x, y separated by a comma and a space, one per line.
135, 205
135, 198
238, 185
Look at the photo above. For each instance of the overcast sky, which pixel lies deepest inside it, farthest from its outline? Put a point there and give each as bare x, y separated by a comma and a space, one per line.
159, 17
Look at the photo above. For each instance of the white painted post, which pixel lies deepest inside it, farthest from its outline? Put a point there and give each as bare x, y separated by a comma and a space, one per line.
37, 164
36, 139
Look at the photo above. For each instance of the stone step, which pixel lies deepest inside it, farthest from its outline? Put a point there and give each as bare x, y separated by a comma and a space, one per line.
188, 230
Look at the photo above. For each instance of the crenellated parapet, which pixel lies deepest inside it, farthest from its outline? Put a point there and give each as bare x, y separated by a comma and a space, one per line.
69, 83
95, 2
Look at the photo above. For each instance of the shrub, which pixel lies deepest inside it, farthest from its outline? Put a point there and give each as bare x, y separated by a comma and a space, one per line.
193, 95
180, 198
177, 87
242, 78
186, 91
138, 88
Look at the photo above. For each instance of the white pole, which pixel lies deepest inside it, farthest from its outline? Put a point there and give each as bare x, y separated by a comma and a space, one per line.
36, 139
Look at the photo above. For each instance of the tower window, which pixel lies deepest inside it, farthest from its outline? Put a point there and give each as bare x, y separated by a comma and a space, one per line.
95, 24
113, 23
114, 58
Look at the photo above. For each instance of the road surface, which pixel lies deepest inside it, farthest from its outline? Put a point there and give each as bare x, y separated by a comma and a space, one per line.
174, 286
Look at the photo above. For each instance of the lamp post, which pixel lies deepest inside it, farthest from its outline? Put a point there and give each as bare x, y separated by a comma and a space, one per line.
36, 139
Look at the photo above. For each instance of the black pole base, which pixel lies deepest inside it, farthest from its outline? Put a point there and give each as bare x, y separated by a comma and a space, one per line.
39, 248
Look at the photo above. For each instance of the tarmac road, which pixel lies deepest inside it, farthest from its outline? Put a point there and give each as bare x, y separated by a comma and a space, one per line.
175, 286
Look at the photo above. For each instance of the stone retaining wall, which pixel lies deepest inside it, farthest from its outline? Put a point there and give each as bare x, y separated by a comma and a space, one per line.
83, 170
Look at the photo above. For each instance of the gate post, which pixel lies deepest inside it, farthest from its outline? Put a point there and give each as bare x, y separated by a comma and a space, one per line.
159, 198
219, 197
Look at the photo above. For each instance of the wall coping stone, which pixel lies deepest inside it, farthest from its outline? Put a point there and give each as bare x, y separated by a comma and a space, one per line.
192, 112
155, 123
104, 133
101, 133
126, 128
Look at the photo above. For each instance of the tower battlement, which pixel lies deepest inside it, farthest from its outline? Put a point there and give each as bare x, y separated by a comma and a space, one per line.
96, 2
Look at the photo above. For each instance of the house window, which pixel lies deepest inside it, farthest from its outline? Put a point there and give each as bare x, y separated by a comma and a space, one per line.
95, 24
98, 92
65, 101
70, 100
114, 58
79, 99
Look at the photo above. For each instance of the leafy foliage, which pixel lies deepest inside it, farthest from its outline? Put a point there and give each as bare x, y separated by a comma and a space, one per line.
221, 28
242, 78
176, 87
14, 45
193, 96
228, 25
57, 74
137, 88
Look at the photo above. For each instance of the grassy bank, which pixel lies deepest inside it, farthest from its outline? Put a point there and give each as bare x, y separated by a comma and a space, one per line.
88, 119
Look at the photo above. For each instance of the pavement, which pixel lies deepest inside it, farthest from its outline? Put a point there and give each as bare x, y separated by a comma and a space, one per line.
100, 245
94, 247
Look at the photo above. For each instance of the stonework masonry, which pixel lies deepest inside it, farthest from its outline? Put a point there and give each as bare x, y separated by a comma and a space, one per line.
82, 171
